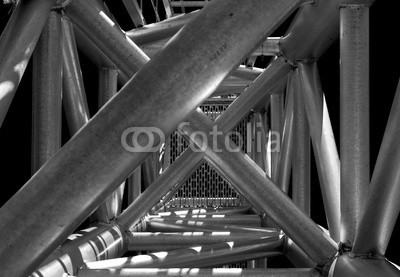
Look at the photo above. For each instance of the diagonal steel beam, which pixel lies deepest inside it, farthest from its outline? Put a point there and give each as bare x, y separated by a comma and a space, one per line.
381, 208
22, 32
95, 162
325, 151
251, 180
46, 93
188, 160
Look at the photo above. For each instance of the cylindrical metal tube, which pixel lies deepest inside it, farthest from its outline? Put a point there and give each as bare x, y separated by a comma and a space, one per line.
382, 205
100, 29
286, 147
94, 244
188, 160
22, 32
186, 226
98, 158
324, 145
47, 93
144, 241
354, 116
111, 207
201, 256
74, 97
277, 123
242, 220
301, 186
200, 272
252, 181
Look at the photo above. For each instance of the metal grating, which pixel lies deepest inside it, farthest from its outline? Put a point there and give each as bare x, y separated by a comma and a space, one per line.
205, 187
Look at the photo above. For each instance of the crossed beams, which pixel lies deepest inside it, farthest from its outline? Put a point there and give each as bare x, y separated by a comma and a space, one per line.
309, 77
93, 163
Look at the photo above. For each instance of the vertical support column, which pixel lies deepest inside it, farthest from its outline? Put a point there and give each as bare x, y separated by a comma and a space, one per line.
323, 141
277, 110
22, 32
46, 98
168, 9
301, 158
284, 169
111, 208
354, 116
74, 97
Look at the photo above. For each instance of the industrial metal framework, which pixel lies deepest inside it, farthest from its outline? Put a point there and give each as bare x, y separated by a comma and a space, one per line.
167, 70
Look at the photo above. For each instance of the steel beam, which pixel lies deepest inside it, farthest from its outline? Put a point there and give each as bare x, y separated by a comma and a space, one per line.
200, 272
301, 180
323, 141
22, 32
277, 123
382, 205
146, 241
47, 93
74, 97
134, 12
111, 207
189, 160
252, 181
284, 165
96, 243
187, 226
199, 256
94, 162
160, 30
241, 220
102, 31
354, 116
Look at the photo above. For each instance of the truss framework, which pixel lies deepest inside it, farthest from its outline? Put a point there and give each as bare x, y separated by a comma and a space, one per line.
89, 172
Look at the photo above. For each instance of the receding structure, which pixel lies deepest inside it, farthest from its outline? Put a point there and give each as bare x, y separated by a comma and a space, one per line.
200, 164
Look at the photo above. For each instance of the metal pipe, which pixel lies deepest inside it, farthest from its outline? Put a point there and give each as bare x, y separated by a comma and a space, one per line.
96, 243
347, 265
286, 148
47, 93
200, 272
160, 30
145, 241
95, 162
277, 123
22, 32
181, 226
301, 180
381, 208
111, 207
101, 30
134, 12
206, 211
247, 73
189, 160
354, 116
320, 24
198, 256
297, 256
252, 181
242, 220
323, 141
74, 97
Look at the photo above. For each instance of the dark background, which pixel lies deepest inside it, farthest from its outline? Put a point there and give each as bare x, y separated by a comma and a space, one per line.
15, 134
